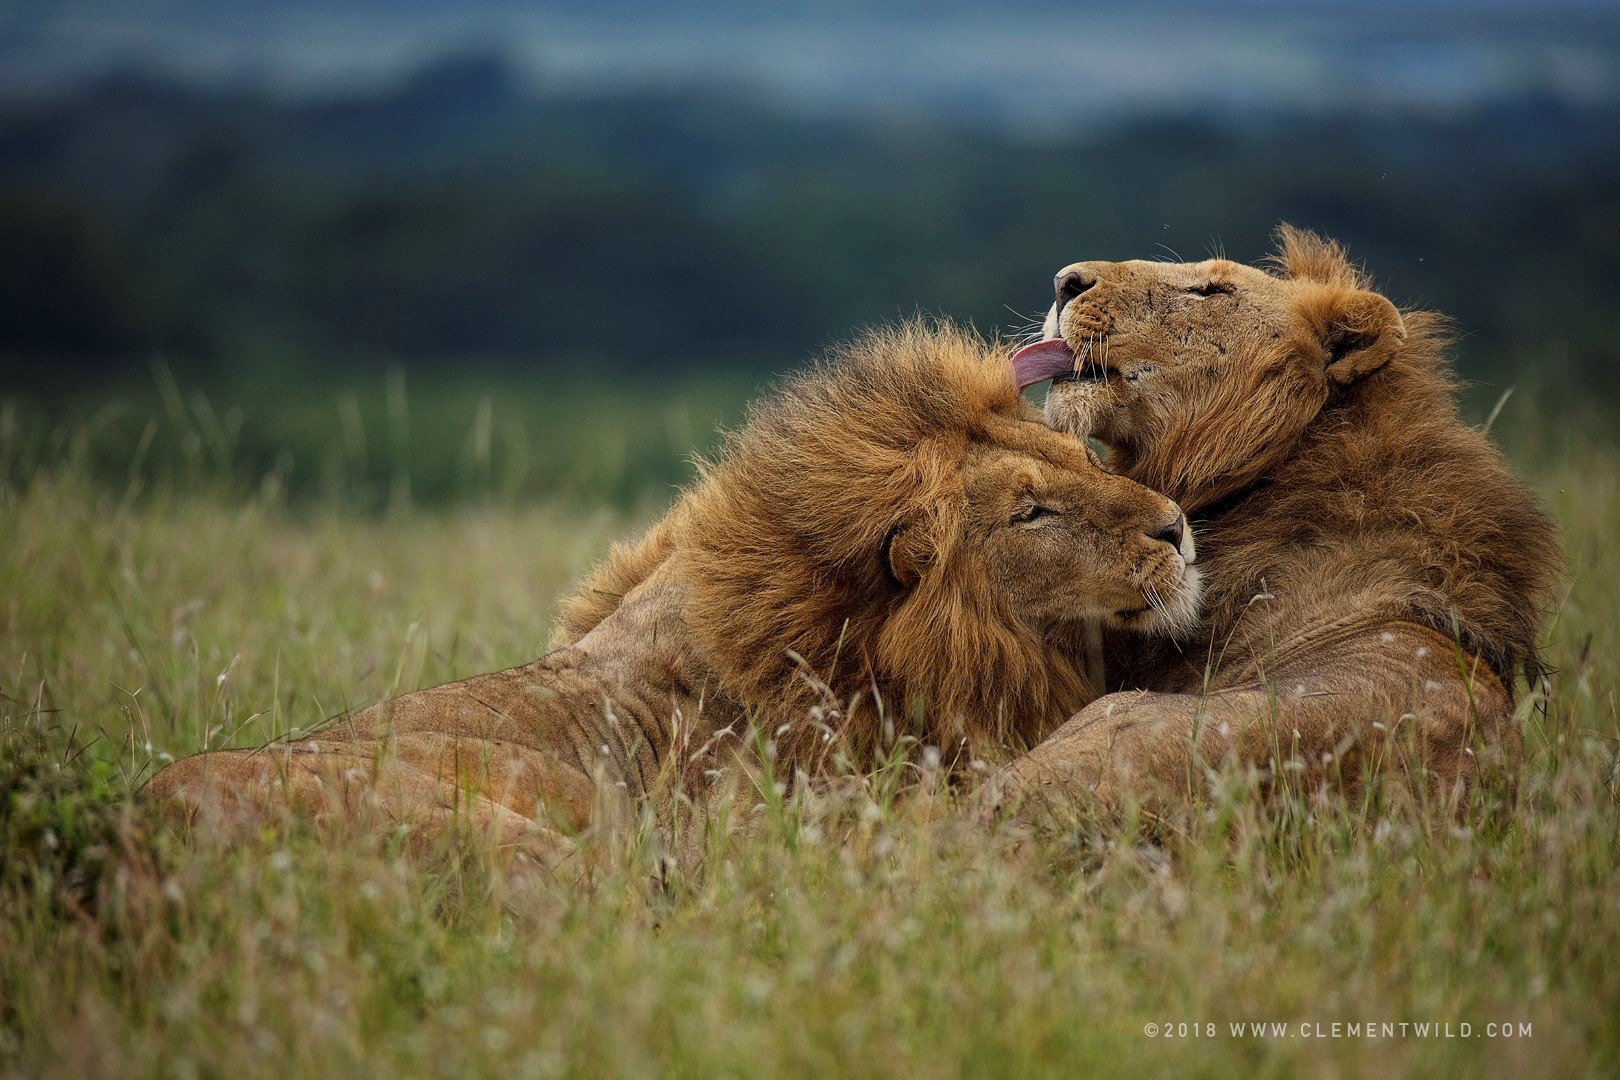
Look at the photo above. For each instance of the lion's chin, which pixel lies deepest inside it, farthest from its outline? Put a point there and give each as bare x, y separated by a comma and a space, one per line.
1075, 408
1165, 611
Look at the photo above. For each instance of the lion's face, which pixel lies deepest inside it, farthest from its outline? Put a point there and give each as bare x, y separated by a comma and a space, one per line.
1153, 342
1058, 542
1200, 375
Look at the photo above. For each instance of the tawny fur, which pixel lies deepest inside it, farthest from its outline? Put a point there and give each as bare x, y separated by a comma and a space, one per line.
1371, 560
849, 572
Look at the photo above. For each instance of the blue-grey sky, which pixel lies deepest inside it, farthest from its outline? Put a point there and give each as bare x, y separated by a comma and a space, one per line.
963, 57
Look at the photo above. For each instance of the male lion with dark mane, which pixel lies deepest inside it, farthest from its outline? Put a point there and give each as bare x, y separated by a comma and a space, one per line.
1377, 577
894, 545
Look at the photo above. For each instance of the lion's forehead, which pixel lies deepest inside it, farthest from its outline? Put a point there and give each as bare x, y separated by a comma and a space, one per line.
1218, 269
1007, 475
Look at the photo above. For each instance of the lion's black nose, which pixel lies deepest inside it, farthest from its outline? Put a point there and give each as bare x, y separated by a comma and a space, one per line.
1070, 284
1174, 533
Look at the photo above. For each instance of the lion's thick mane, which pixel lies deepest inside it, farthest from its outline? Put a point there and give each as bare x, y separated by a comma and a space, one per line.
1388, 504
784, 536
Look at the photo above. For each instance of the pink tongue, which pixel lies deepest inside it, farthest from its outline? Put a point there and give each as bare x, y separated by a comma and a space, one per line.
1041, 361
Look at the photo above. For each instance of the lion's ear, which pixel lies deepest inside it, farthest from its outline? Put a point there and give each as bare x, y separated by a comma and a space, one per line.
907, 551
1359, 331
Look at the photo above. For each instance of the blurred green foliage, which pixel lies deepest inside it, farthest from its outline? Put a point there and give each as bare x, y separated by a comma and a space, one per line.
457, 220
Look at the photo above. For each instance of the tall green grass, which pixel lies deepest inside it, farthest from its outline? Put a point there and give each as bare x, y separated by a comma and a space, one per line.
394, 441
204, 598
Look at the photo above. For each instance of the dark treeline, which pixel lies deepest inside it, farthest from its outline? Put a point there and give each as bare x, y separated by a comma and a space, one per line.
458, 219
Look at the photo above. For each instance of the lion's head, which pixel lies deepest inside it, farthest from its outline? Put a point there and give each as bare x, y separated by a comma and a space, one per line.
1201, 376
904, 524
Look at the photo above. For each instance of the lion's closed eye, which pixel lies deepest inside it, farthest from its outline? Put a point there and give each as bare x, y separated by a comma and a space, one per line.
1033, 514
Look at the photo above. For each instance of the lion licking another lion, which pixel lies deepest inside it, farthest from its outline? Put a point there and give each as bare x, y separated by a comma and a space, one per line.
895, 547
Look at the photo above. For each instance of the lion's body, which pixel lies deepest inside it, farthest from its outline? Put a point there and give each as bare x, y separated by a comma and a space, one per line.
855, 569
1378, 578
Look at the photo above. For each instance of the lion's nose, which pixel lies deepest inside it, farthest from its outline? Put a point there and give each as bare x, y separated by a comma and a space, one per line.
1071, 283
1175, 534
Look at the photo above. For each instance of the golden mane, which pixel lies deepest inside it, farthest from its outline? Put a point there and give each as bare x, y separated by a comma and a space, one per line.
1474, 557
860, 450
787, 533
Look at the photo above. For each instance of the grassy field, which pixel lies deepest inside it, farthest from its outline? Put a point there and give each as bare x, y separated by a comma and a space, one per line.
874, 933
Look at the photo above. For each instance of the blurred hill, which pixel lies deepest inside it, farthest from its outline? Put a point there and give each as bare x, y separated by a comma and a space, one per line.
463, 214
1040, 64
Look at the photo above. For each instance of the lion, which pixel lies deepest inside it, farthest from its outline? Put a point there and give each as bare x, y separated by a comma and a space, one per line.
1377, 578
893, 547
